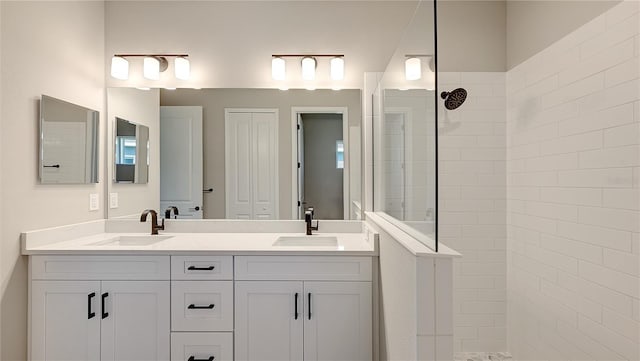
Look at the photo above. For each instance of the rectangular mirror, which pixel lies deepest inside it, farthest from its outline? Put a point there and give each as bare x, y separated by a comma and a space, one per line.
68, 142
131, 158
206, 145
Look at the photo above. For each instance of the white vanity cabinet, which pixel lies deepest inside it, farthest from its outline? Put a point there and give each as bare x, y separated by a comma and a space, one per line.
200, 308
303, 308
90, 308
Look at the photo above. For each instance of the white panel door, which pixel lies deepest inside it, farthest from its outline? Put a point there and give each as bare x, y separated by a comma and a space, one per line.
181, 160
135, 320
267, 327
251, 164
264, 165
238, 166
65, 320
337, 321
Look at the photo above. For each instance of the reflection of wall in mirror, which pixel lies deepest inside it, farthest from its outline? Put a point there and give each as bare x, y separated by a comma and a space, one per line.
410, 181
143, 107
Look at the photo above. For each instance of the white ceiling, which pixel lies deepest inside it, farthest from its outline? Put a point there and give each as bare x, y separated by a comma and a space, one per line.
230, 43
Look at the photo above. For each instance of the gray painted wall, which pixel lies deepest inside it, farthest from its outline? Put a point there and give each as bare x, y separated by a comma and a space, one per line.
498, 35
471, 35
214, 101
534, 25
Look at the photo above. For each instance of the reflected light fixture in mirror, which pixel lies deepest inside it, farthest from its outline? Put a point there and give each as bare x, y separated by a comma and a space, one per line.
278, 68
119, 68
413, 68
308, 68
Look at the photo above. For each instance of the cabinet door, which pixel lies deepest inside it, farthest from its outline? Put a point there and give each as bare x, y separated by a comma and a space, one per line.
266, 325
337, 321
65, 320
135, 320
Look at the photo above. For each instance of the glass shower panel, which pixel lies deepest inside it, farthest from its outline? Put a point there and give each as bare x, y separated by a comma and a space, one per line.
405, 182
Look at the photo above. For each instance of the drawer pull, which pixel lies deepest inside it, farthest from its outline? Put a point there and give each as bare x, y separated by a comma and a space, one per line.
194, 268
104, 297
192, 358
90, 314
194, 307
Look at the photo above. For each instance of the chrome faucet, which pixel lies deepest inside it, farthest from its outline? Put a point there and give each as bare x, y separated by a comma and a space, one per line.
167, 212
154, 220
308, 218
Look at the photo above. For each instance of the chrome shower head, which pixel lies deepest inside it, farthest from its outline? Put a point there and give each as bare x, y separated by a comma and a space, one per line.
454, 98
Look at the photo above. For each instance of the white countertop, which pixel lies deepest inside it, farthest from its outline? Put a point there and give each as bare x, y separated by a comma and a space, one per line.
218, 243
89, 238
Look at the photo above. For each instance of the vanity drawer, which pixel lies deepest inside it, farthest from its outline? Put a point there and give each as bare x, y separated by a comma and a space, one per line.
317, 268
202, 305
187, 346
202, 267
99, 267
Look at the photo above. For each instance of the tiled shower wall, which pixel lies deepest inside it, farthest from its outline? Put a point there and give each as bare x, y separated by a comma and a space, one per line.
573, 175
472, 210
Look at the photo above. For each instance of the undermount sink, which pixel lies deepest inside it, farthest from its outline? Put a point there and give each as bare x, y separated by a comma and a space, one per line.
141, 240
306, 241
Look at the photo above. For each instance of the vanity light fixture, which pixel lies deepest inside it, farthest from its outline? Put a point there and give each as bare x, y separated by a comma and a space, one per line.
151, 68
309, 68
337, 68
278, 68
153, 65
309, 63
182, 67
119, 68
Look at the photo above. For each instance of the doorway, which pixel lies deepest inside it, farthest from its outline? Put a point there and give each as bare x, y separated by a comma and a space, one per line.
321, 163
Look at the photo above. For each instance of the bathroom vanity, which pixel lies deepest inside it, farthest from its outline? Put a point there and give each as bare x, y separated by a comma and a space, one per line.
98, 293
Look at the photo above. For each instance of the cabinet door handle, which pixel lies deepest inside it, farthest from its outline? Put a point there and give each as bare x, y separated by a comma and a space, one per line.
90, 314
296, 302
309, 305
194, 307
194, 268
192, 358
102, 303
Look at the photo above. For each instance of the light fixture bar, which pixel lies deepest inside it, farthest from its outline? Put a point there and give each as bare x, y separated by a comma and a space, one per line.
150, 55
308, 55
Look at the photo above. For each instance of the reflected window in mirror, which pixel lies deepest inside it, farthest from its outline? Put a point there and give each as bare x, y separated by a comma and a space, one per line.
131, 152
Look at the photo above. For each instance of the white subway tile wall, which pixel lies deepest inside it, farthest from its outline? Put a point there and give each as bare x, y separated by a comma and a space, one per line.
472, 214
573, 200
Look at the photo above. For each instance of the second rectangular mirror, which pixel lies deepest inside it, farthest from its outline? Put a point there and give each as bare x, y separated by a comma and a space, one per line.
131, 152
